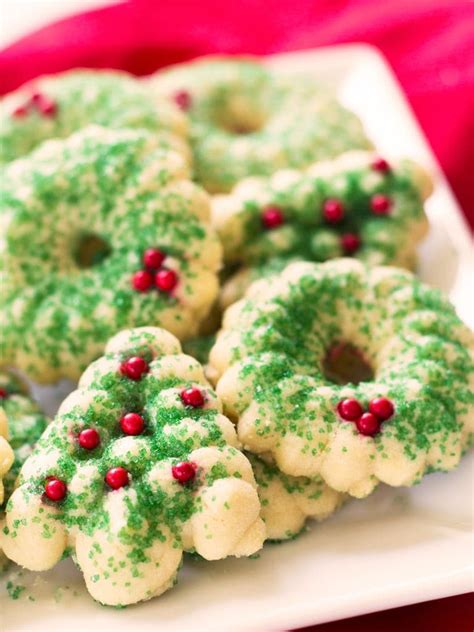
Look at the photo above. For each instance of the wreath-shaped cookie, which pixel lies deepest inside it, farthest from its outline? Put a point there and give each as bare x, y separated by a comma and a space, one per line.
138, 465
101, 231
248, 119
58, 105
353, 373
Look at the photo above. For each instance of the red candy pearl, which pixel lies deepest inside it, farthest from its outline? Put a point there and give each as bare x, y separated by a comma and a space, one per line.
134, 368
382, 408
183, 99
3, 393
350, 242
193, 397
55, 489
380, 204
272, 217
166, 280
132, 424
184, 472
333, 211
368, 424
380, 164
117, 477
349, 409
142, 281
89, 438
20, 111
153, 258
47, 107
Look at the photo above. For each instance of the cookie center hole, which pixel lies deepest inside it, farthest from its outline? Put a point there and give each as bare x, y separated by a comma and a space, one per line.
344, 364
91, 250
241, 118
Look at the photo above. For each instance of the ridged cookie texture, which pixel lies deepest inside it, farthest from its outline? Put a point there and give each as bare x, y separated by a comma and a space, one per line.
101, 231
138, 465
411, 415
58, 105
248, 119
358, 205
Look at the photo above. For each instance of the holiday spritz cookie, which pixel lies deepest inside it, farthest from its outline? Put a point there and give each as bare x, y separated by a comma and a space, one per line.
247, 119
6, 460
138, 465
353, 373
357, 205
56, 106
102, 230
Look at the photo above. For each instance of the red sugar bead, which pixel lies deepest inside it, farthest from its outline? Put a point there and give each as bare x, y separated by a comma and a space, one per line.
89, 438
380, 204
134, 368
193, 397
20, 111
153, 258
3, 393
382, 408
117, 477
380, 164
166, 280
47, 107
272, 217
333, 211
55, 489
142, 281
184, 472
349, 409
368, 425
183, 99
350, 242
132, 424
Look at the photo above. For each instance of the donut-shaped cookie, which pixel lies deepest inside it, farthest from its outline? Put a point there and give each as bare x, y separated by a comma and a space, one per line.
356, 374
102, 230
58, 105
247, 119
138, 465
358, 204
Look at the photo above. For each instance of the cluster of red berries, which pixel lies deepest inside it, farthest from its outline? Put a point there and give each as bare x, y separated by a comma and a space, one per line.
37, 102
369, 422
131, 424
333, 211
154, 274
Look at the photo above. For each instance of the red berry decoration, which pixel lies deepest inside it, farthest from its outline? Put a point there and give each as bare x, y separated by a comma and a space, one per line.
380, 204
20, 111
381, 165
272, 217
333, 211
193, 397
142, 281
3, 393
382, 408
184, 472
132, 424
368, 425
55, 489
166, 280
89, 438
350, 243
117, 477
47, 107
349, 409
153, 258
134, 368
183, 99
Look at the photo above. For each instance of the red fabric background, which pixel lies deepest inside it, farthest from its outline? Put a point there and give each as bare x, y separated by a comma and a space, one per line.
429, 43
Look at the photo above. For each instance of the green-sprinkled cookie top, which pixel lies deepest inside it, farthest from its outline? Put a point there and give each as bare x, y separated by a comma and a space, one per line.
279, 358
56, 106
101, 231
247, 119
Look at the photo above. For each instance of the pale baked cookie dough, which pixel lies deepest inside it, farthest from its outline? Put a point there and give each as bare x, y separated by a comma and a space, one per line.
356, 374
357, 205
6, 460
55, 106
138, 465
247, 119
101, 231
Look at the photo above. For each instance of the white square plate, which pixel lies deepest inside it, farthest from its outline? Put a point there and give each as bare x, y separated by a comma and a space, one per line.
397, 547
